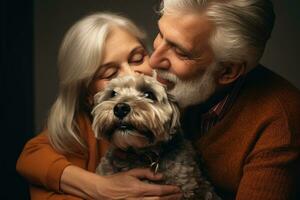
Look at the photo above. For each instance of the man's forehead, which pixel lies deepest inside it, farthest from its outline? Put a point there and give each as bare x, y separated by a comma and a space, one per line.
186, 28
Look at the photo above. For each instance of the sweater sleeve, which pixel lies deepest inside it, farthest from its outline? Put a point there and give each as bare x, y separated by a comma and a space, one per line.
40, 164
270, 171
38, 193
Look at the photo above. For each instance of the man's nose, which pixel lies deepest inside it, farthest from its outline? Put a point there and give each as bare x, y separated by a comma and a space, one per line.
159, 58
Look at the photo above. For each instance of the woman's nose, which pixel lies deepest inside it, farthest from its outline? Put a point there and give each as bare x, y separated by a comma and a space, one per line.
126, 69
146, 70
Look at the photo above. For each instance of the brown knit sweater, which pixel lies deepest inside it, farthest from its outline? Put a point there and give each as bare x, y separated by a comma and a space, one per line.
251, 154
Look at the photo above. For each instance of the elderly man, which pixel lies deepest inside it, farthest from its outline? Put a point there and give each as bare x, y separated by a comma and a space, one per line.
243, 119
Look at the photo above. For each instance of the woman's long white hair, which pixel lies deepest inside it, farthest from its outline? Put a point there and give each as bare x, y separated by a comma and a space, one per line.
79, 58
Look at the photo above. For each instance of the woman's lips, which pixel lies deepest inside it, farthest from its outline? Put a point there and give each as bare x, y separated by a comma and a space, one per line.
165, 82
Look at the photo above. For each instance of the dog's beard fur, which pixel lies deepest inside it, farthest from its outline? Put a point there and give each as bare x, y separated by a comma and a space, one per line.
148, 122
191, 92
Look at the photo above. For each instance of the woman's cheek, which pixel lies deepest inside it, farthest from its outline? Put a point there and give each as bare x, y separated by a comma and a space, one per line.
99, 85
145, 68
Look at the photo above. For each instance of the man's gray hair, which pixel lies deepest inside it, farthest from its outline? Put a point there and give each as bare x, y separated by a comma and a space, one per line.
243, 27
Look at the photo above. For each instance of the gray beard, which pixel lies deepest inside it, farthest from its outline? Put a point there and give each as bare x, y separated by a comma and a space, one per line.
191, 92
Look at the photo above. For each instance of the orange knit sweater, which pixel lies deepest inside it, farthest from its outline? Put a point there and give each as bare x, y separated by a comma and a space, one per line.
251, 154
43, 167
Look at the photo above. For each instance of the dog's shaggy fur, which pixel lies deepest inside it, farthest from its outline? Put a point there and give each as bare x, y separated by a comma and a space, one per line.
140, 119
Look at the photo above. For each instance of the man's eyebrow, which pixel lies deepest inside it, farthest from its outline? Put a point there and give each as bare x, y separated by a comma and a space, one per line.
173, 44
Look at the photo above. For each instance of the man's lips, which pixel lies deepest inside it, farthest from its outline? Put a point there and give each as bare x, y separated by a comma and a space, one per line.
165, 82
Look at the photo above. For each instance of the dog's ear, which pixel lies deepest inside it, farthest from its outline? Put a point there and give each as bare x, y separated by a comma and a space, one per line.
100, 96
96, 126
175, 118
95, 129
154, 74
98, 131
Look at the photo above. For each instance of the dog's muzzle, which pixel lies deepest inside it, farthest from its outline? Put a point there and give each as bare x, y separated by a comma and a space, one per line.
121, 110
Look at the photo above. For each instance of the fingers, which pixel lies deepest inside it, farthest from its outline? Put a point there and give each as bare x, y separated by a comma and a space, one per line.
151, 190
160, 190
145, 174
168, 197
177, 196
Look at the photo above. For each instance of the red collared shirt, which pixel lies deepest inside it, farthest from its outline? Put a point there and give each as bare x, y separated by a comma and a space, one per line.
217, 112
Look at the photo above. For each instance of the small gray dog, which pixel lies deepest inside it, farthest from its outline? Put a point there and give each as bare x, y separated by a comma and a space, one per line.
141, 121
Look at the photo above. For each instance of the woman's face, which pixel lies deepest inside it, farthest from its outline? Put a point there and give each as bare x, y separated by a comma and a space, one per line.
123, 54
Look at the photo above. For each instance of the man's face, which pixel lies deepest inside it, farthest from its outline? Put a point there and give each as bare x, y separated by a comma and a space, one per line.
183, 58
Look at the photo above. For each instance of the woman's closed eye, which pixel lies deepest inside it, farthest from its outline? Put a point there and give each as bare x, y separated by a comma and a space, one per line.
137, 56
108, 73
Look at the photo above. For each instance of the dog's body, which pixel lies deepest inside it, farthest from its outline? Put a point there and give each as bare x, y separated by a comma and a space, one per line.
142, 122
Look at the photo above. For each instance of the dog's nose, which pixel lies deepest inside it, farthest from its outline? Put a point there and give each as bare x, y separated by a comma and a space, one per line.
121, 110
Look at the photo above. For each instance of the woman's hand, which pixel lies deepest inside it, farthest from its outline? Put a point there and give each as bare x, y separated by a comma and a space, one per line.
124, 185
128, 185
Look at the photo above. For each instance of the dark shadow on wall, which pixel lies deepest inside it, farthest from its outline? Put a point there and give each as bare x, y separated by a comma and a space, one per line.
16, 78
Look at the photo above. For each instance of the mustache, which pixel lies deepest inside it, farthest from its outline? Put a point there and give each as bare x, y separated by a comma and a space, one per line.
167, 75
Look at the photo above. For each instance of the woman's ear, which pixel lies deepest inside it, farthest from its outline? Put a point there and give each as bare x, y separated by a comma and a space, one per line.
230, 72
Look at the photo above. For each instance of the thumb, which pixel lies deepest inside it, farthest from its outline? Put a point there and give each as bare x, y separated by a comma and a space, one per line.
145, 173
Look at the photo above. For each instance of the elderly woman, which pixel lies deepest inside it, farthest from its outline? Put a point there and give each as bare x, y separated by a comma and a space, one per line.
60, 162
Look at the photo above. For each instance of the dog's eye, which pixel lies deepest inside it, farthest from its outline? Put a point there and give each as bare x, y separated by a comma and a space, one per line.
113, 94
150, 95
